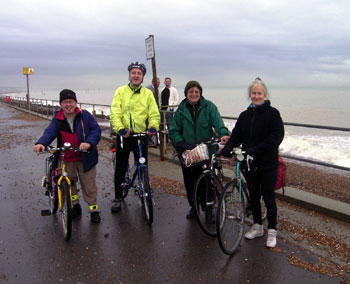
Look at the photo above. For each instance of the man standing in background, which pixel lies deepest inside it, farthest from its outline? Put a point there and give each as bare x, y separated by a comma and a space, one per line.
169, 98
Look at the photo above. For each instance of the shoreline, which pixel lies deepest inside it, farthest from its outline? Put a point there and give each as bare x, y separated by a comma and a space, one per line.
327, 182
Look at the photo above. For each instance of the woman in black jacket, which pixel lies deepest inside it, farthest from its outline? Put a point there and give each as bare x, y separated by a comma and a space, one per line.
260, 130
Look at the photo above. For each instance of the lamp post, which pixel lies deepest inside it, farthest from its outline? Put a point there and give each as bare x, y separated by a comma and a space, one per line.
28, 71
150, 54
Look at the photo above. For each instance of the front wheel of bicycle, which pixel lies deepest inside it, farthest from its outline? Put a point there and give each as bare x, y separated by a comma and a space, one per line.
147, 199
230, 219
66, 210
206, 194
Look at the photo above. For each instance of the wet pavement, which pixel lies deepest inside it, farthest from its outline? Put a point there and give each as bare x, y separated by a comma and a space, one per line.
123, 248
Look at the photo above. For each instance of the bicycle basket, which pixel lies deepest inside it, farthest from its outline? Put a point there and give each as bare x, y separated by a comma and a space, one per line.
196, 156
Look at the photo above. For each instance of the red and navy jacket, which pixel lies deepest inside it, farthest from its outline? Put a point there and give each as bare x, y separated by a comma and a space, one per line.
59, 128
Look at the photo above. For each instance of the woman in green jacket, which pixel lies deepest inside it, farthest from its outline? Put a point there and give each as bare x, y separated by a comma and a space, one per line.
192, 124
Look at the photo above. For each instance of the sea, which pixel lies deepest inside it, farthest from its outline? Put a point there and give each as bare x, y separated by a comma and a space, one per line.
315, 106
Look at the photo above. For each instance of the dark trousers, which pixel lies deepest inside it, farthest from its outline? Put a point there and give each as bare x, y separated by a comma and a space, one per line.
122, 158
262, 183
190, 176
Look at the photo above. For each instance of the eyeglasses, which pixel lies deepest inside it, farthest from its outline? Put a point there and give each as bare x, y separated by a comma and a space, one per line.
258, 79
68, 102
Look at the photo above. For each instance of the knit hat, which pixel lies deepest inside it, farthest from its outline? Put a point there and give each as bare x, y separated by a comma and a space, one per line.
191, 84
67, 94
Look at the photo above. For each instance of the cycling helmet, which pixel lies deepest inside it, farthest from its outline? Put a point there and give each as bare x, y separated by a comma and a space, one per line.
138, 65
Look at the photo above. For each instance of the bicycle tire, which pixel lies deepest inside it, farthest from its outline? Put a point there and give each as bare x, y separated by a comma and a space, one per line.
249, 214
51, 185
53, 199
147, 199
66, 210
230, 220
206, 194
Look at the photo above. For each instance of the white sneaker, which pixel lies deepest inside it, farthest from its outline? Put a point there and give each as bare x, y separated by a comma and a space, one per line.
271, 238
255, 231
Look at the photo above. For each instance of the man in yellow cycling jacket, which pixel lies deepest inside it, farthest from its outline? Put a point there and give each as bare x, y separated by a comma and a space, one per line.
133, 110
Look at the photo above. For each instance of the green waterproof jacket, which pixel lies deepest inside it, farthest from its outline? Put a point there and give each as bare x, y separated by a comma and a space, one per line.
184, 128
134, 108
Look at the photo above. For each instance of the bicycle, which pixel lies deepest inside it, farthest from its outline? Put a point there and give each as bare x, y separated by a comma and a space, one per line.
59, 187
234, 207
207, 190
139, 173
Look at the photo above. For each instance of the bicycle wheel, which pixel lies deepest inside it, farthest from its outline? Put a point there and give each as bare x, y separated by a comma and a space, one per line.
230, 218
147, 200
53, 199
66, 210
206, 194
248, 208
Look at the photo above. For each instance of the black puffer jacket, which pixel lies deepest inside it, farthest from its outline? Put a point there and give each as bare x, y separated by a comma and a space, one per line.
260, 129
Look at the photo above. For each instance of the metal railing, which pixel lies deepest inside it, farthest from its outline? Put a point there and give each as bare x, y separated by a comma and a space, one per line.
49, 107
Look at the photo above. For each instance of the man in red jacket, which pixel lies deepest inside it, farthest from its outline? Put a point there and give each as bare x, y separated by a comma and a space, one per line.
78, 127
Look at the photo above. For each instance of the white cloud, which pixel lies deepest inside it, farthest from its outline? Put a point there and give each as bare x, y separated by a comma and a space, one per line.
214, 40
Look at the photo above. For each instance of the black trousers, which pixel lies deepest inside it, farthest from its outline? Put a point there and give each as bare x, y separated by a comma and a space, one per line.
122, 157
262, 183
190, 175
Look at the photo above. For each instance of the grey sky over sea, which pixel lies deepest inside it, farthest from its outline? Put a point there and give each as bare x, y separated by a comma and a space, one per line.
88, 44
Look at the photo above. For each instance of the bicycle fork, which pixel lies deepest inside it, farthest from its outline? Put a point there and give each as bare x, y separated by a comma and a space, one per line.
140, 190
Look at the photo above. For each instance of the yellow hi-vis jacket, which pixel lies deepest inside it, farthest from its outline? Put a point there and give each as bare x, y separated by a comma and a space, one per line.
134, 109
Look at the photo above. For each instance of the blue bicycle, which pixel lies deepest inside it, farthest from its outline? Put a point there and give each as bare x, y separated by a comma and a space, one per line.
137, 178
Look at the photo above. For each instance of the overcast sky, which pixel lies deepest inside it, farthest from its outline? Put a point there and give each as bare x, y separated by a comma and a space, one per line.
89, 43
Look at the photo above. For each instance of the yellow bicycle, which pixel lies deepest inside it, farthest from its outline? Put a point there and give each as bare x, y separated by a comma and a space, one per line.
59, 187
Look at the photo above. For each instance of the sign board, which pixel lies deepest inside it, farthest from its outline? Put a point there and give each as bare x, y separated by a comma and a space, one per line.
28, 70
149, 47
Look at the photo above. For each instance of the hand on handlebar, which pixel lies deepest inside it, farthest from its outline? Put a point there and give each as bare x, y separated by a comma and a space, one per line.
124, 132
84, 146
226, 152
39, 148
151, 131
224, 139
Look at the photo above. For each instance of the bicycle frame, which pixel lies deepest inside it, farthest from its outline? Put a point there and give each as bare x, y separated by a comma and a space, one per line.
63, 175
143, 189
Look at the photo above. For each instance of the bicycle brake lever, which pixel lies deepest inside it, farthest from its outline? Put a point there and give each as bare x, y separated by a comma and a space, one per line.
249, 158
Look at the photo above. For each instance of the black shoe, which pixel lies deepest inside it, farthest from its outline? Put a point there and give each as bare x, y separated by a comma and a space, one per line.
209, 215
191, 214
76, 211
116, 206
95, 217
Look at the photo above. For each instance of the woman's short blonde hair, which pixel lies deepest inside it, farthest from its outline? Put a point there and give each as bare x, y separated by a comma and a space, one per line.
260, 82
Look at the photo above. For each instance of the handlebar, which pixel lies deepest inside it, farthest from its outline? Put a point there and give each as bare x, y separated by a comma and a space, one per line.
140, 135
67, 146
242, 155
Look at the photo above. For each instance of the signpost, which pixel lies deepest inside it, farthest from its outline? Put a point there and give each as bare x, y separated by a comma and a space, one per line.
28, 71
151, 54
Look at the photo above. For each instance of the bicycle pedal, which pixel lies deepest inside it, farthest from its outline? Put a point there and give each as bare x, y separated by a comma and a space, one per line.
45, 213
